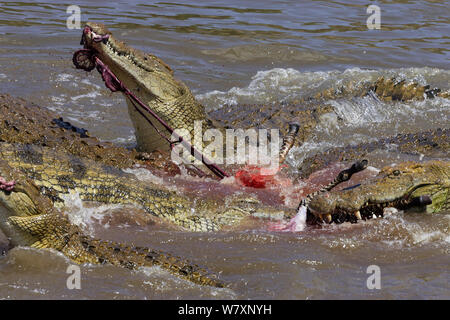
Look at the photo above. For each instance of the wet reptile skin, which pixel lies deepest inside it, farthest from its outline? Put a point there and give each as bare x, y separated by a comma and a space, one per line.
426, 143
393, 187
57, 173
60, 158
29, 219
150, 79
25, 122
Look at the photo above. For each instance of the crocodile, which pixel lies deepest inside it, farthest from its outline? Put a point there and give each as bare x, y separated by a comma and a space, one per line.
27, 123
430, 143
153, 82
24, 122
399, 186
28, 218
45, 171
48, 158
58, 173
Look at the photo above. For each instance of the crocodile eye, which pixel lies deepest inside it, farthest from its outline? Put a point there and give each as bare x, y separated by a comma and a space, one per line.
396, 172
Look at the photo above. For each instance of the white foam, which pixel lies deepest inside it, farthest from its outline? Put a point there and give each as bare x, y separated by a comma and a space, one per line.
278, 85
92, 94
300, 219
131, 139
296, 224
64, 77
61, 100
89, 83
145, 175
362, 111
423, 237
418, 233
265, 85
82, 216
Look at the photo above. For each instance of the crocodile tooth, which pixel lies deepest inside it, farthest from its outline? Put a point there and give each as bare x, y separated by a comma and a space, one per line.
358, 215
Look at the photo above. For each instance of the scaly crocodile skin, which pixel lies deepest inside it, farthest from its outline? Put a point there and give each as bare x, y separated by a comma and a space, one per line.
29, 219
25, 122
426, 143
395, 186
152, 81
57, 173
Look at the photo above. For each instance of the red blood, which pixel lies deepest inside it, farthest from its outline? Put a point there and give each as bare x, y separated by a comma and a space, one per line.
256, 177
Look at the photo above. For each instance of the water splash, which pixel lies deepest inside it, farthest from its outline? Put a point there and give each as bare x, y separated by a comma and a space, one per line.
84, 216
285, 84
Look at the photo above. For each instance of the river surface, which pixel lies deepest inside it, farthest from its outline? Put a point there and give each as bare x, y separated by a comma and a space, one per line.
231, 52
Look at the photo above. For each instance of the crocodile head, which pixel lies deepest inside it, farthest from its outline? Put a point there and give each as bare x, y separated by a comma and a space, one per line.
20, 207
132, 66
402, 186
151, 80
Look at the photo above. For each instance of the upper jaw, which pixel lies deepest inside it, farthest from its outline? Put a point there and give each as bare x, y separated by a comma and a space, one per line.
98, 38
349, 213
92, 39
344, 206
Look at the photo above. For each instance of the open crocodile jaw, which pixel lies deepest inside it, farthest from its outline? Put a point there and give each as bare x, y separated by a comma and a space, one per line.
150, 80
148, 76
323, 210
403, 186
369, 210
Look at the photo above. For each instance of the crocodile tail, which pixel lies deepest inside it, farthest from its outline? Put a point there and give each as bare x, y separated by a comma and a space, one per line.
53, 231
131, 257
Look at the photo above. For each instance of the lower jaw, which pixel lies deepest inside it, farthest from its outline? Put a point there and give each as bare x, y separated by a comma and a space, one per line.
370, 211
339, 217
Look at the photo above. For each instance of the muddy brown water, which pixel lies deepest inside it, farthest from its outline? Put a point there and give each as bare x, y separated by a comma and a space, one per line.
243, 52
